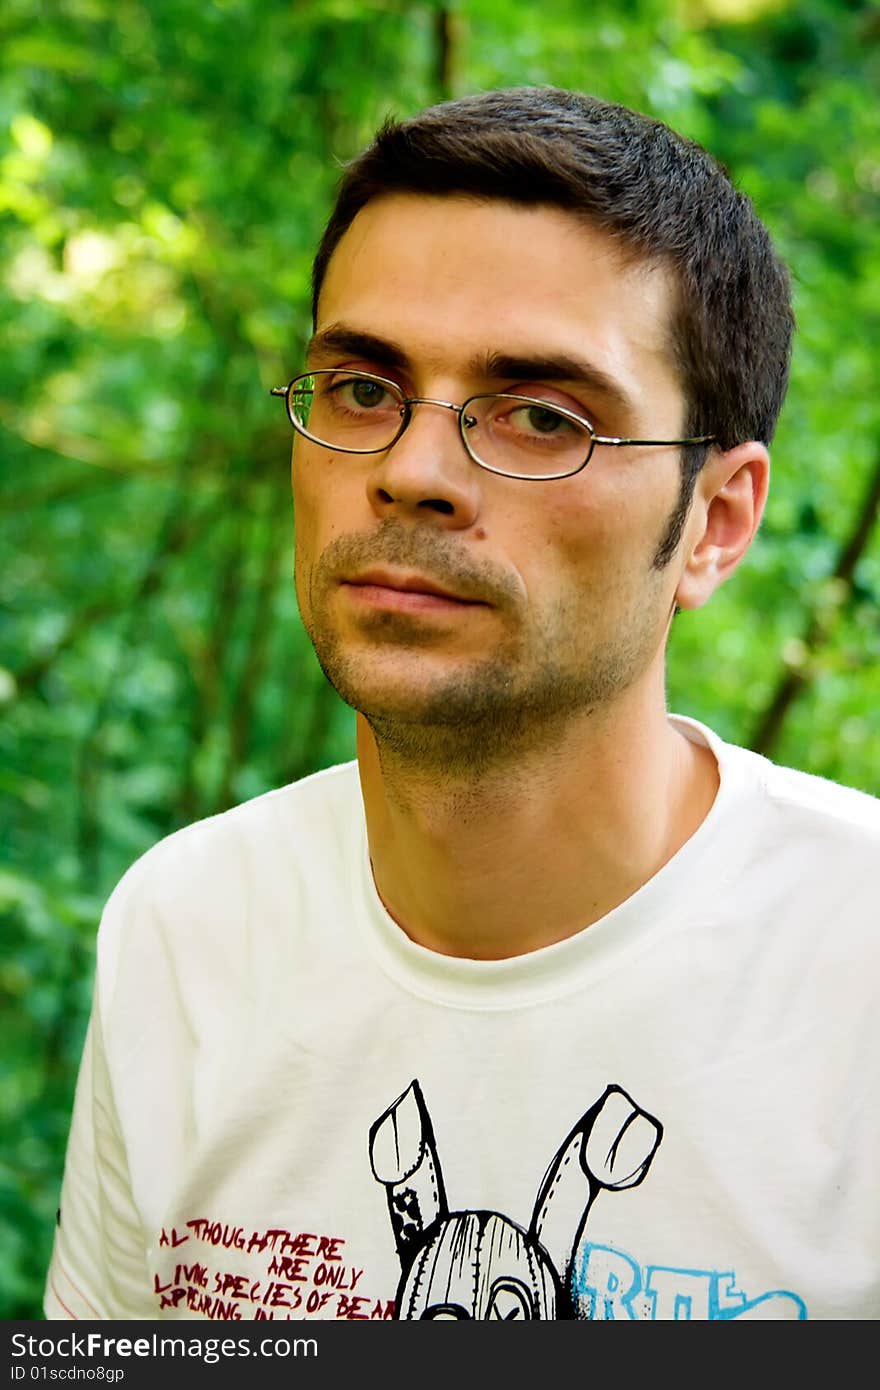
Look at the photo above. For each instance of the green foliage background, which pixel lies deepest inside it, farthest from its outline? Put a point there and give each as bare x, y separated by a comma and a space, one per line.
165, 169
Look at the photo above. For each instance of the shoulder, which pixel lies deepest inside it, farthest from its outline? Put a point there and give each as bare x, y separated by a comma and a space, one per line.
310, 810
789, 862
799, 799
792, 837
213, 889
811, 806
838, 808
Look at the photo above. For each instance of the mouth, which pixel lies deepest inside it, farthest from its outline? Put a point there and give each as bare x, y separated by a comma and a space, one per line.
405, 591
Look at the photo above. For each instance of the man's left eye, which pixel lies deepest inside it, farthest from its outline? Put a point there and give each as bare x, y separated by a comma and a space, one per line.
545, 420
540, 419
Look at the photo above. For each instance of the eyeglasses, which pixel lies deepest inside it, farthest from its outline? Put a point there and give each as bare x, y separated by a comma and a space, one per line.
507, 433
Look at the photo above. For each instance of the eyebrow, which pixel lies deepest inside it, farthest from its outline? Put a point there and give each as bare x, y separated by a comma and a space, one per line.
331, 341
492, 365
555, 367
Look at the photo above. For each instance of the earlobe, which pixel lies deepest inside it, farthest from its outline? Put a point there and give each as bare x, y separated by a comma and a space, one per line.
728, 504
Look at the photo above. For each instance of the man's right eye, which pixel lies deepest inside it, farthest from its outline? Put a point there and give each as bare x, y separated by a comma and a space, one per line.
360, 393
367, 393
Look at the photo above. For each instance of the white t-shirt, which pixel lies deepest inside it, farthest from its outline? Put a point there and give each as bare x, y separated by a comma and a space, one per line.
287, 1109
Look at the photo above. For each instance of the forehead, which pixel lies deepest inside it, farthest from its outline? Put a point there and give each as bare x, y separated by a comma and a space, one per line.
448, 275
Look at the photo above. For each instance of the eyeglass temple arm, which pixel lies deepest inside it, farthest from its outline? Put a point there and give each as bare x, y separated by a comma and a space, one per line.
696, 439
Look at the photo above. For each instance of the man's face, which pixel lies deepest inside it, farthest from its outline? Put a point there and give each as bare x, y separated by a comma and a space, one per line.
549, 603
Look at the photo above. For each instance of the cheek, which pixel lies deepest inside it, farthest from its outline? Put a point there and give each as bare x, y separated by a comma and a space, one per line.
613, 523
302, 569
314, 508
329, 500
589, 557
329, 494
305, 479
309, 519
567, 541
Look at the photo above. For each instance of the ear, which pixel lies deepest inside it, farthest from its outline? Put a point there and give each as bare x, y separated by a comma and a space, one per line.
728, 503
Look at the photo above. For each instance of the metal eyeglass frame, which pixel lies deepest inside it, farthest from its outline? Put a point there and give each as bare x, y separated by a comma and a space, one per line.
407, 402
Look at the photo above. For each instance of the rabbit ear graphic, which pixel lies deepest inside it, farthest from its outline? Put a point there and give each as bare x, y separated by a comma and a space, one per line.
620, 1143
404, 1159
610, 1147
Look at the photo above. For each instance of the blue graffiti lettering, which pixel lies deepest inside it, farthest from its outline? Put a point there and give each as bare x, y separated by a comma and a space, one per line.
609, 1285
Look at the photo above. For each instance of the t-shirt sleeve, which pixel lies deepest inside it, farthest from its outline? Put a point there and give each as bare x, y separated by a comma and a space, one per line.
98, 1268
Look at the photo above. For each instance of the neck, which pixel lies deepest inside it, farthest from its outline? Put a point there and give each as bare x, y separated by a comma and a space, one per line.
502, 858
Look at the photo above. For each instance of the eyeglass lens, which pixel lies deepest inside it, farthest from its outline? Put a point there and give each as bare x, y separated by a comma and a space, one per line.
355, 412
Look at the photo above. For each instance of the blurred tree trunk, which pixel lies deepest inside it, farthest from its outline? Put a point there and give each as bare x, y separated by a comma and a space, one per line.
445, 39
797, 677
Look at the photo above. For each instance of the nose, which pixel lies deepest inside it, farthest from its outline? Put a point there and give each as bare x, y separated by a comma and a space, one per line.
427, 474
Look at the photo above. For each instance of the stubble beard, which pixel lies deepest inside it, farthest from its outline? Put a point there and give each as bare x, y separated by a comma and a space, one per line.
496, 710
462, 724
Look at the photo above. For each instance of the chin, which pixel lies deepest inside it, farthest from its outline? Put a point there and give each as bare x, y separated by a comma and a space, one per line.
402, 702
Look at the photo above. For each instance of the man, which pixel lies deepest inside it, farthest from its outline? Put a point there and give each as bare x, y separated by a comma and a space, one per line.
551, 1005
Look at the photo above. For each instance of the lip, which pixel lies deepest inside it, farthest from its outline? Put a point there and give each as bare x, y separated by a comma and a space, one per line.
405, 590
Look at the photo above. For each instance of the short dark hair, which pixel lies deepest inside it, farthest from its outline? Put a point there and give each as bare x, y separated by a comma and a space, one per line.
661, 197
